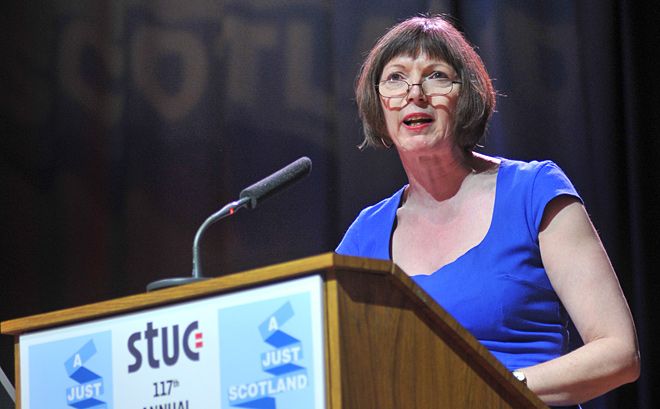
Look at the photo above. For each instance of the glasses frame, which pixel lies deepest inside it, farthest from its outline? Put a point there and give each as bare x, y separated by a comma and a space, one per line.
421, 87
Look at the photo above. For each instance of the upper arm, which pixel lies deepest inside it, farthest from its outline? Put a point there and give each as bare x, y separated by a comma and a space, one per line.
580, 272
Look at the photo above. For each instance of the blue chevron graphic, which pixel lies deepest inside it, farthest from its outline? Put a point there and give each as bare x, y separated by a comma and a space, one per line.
282, 362
90, 385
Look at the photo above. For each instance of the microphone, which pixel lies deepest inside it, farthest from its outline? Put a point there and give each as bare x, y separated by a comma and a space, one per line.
277, 182
249, 197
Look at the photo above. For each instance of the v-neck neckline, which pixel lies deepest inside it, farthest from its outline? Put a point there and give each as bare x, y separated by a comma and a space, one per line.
472, 249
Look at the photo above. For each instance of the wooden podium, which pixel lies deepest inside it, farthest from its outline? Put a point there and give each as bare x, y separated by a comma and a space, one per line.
387, 344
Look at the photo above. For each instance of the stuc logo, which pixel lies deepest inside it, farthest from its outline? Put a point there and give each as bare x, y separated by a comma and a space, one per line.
170, 342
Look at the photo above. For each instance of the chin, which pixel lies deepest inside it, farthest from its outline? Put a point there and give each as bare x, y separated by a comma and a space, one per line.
419, 143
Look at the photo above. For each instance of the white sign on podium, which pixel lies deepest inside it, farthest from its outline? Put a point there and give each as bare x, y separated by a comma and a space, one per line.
258, 348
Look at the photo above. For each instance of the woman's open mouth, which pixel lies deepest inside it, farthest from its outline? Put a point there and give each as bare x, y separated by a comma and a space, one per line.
417, 119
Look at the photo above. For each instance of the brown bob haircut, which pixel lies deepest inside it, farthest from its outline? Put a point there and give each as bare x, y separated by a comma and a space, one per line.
436, 37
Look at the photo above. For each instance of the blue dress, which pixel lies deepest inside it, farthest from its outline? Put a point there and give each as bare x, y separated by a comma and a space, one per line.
498, 289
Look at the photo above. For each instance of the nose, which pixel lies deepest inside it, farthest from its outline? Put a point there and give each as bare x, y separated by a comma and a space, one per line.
416, 93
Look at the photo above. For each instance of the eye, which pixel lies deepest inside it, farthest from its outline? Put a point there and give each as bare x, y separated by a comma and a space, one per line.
394, 76
438, 75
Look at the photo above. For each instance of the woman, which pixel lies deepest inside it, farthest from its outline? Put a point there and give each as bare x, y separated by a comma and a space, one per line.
505, 246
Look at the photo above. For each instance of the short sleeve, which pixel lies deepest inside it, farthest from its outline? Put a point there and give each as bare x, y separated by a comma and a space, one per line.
549, 182
349, 243
369, 235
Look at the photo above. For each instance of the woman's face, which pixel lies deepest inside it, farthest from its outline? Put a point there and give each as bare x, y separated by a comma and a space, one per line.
417, 122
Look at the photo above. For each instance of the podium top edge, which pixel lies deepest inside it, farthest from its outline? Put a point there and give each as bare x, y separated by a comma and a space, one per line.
326, 262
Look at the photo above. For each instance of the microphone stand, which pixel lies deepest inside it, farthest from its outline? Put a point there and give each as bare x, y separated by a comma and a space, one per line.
226, 211
249, 197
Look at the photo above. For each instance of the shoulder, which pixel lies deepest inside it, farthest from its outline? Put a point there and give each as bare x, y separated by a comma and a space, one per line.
528, 169
368, 235
541, 178
533, 185
518, 169
379, 211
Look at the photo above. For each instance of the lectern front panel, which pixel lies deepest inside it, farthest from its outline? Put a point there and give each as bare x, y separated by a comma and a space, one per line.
258, 348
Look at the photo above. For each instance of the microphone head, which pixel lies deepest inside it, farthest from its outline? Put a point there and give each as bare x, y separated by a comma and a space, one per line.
277, 182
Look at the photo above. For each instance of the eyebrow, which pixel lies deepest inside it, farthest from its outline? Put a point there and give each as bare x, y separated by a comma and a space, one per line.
403, 66
394, 66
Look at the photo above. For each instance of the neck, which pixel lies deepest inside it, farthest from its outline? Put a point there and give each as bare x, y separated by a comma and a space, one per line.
438, 176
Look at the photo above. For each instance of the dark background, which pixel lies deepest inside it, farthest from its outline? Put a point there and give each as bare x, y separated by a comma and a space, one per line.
126, 123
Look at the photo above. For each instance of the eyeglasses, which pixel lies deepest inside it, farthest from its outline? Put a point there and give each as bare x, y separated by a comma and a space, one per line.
431, 87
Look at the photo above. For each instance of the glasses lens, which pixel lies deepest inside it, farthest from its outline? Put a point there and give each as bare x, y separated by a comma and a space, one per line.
437, 86
393, 88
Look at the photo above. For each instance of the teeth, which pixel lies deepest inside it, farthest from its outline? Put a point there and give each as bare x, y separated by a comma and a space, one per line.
417, 120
